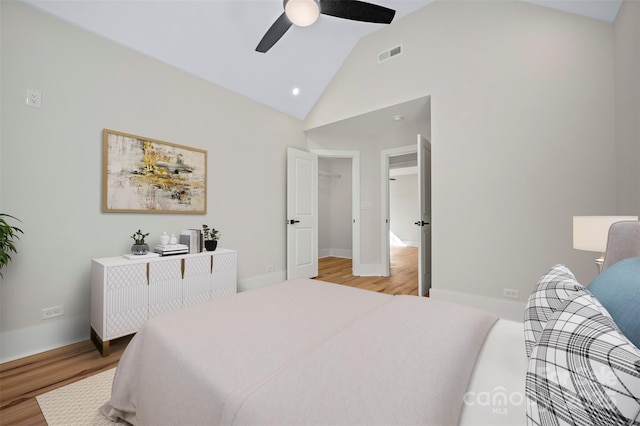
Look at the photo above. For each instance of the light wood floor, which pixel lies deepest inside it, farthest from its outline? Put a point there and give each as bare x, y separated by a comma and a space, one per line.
22, 380
403, 277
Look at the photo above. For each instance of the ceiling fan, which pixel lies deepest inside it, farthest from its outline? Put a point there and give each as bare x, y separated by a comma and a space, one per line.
305, 12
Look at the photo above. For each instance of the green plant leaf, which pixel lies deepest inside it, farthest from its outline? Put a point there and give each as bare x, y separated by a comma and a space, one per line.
8, 235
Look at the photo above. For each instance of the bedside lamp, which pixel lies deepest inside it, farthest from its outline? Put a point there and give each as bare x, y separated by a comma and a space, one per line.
590, 233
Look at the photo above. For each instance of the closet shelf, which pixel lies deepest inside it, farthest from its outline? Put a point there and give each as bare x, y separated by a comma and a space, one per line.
323, 173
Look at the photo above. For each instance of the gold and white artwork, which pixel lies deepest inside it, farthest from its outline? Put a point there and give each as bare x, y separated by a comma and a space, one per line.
145, 175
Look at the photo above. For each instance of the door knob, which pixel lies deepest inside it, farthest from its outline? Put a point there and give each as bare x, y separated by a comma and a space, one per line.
421, 223
291, 221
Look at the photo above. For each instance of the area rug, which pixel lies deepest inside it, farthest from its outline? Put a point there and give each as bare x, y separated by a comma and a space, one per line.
78, 403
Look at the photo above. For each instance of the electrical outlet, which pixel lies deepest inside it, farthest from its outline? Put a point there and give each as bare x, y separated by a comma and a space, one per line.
55, 311
269, 268
34, 98
511, 293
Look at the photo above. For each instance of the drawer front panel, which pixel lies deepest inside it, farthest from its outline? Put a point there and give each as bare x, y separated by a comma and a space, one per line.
224, 275
165, 286
197, 280
127, 299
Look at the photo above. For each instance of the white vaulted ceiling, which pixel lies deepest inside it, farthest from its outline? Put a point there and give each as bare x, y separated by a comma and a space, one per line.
215, 40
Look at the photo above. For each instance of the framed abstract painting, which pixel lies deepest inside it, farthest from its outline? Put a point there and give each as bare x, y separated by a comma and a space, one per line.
144, 175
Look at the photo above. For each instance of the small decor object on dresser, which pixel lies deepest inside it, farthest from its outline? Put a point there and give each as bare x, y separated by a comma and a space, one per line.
192, 238
164, 238
139, 247
211, 237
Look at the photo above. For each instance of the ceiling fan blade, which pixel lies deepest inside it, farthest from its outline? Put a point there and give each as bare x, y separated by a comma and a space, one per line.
357, 11
274, 33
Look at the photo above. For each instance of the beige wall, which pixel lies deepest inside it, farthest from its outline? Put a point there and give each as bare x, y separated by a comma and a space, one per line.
522, 132
52, 159
627, 57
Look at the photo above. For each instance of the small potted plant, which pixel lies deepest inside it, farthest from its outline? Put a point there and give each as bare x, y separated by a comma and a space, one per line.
139, 246
8, 235
211, 237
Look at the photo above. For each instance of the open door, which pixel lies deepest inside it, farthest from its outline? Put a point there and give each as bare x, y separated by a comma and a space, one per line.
424, 190
302, 214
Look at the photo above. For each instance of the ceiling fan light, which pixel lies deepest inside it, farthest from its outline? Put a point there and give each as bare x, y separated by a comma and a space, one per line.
302, 12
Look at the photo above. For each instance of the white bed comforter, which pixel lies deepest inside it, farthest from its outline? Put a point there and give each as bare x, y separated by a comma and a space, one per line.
301, 352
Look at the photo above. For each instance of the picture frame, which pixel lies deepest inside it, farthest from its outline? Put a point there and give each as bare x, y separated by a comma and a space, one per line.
144, 175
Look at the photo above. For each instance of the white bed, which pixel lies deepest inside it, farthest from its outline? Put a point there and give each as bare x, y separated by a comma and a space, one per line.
495, 396
305, 352
308, 352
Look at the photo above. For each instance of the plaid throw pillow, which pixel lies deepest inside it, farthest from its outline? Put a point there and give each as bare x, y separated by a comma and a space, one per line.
552, 293
583, 371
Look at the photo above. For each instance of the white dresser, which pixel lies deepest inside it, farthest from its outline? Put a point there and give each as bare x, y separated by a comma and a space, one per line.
125, 293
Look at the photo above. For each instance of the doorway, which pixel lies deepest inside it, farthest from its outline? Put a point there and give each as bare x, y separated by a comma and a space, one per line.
415, 161
368, 134
390, 159
334, 208
338, 205
403, 201
404, 235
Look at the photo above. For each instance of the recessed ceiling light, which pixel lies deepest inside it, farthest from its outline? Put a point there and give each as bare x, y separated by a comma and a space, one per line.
295, 91
398, 117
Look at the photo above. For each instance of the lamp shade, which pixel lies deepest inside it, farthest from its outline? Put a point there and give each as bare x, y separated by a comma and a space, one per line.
302, 12
590, 233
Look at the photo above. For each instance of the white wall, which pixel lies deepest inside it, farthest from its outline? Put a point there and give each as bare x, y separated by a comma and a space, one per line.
403, 208
51, 169
522, 133
627, 60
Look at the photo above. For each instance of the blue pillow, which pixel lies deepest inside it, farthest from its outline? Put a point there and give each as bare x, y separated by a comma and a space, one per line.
618, 289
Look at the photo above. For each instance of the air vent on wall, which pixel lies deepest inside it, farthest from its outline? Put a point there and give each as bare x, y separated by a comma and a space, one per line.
388, 54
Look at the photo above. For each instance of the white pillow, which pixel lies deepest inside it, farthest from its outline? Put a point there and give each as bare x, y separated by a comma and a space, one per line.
583, 370
554, 291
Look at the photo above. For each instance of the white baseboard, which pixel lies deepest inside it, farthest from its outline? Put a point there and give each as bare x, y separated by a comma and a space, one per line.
334, 252
260, 281
507, 309
52, 334
344, 253
324, 253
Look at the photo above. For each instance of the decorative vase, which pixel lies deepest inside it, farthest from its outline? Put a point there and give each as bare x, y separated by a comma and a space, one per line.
211, 245
138, 249
164, 239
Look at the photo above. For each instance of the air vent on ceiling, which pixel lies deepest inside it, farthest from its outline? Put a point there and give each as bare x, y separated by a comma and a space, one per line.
388, 54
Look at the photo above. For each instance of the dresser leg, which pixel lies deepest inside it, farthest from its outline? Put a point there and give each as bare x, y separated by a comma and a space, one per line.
103, 347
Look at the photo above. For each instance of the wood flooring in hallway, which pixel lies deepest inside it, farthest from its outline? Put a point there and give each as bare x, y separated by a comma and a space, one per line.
403, 278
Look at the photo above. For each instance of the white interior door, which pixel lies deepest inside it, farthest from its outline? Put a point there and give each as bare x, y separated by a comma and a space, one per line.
424, 190
302, 214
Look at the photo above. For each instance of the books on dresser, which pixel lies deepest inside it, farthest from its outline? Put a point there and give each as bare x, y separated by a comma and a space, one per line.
169, 249
192, 238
